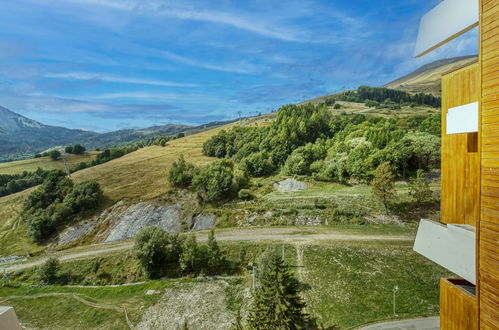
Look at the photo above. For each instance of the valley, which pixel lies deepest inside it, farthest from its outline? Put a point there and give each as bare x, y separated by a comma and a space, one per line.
336, 237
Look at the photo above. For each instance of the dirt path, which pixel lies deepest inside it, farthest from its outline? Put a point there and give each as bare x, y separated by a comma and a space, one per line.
293, 235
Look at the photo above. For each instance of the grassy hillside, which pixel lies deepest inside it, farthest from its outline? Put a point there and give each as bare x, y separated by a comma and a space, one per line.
345, 284
45, 163
427, 79
140, 175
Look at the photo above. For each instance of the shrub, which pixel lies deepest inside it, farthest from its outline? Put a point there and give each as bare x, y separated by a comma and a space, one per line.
258, 164
78, 149
54, 154
245, 194
189, 260
150, 250
337, 106
383, 186
181, 173
85, 195
217, 181
419, 188
47, 274
372, 103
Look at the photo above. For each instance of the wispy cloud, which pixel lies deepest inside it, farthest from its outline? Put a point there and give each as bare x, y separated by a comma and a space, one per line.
117, 79
173, 9
146, 95
234, 67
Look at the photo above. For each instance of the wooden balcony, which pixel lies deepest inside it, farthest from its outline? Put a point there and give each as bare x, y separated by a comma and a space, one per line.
458, 305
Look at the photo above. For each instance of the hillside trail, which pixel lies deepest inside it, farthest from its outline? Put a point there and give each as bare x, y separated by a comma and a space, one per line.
291, 235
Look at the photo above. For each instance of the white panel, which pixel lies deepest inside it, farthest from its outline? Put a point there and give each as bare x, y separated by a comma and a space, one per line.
451, 246
8, 319
462, 119
446, 21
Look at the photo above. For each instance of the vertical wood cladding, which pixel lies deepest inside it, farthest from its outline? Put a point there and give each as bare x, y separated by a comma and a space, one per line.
460, 157
458, 309
488, 233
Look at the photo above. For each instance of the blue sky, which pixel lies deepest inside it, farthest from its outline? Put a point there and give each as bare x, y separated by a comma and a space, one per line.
109, 64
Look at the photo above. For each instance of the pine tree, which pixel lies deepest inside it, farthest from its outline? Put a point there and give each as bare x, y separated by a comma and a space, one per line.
383, 185
277, 303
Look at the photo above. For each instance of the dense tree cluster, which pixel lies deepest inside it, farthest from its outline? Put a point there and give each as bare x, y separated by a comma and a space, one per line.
57, 202
76, 149
12, 183
261, 150
216, 181
305, 140
158, 250
386, 96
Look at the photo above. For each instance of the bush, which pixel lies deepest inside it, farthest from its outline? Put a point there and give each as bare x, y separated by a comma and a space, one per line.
217, 181
181, 173
190, 258
150, 249
330, 101
372, 103
54, 154
245, 194
258, 164
419, 188
78, 149
383, 185
85, 195
47, 274
337, 106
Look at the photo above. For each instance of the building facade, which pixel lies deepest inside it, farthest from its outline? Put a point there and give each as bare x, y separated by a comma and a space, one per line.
466, 241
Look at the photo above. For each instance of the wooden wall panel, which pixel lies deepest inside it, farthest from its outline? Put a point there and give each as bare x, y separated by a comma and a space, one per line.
488, 228
460, 157
458, 309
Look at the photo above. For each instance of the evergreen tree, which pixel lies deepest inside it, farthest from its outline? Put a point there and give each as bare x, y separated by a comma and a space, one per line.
277, 303
383, 185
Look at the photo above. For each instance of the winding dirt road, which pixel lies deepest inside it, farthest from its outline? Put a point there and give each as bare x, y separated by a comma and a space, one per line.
290, 235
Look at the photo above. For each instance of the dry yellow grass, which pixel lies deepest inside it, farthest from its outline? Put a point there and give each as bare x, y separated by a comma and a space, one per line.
45, 163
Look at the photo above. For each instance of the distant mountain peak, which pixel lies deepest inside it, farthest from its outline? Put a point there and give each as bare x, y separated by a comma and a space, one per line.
11, 121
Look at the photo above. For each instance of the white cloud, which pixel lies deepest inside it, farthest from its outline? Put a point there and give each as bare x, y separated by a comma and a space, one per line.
110, 78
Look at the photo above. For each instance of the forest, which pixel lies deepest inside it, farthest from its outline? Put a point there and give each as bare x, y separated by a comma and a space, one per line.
308, 140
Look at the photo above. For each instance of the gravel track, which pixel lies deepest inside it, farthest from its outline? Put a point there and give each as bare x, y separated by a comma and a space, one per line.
286, 234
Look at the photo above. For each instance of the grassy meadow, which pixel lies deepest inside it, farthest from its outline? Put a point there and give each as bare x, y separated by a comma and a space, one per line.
345, 284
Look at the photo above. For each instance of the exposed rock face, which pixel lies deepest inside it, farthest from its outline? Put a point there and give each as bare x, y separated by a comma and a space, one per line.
289, 184
144, 214
122, 221
204, 222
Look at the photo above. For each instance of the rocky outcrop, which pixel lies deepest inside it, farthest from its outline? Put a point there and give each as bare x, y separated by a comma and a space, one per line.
289, 184
144, 214
122, 221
